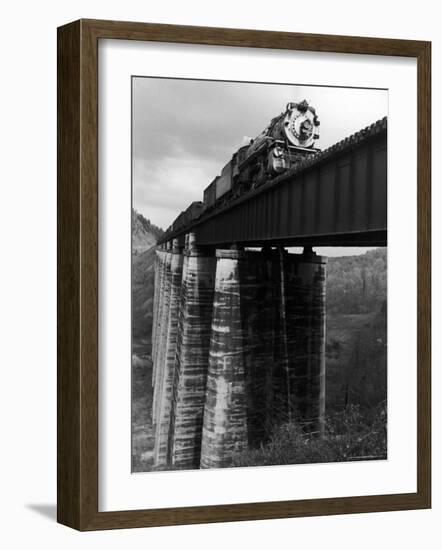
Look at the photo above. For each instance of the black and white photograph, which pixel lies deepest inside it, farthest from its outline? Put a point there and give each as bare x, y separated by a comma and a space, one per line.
220, 249
259, 274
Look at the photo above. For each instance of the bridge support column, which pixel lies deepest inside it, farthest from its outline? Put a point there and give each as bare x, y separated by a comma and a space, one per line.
166, 381
225, 413
238, 348
161, 334
303, 337
156, 323
244, 357
259, 286
160, 265
191, 362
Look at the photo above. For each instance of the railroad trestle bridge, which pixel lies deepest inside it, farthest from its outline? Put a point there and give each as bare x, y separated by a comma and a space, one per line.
238, 339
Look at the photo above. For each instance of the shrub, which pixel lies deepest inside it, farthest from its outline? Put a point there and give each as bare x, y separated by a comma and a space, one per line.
349, 435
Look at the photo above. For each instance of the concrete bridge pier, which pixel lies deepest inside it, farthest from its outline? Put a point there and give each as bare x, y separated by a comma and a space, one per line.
225, 413
159, 262
157, 311
156, 297
267, 350
303, 338
243, 355
191, 361
259, 285
167, 373
238, 348
162, 328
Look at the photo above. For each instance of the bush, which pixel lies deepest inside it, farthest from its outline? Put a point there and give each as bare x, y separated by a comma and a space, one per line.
349, 435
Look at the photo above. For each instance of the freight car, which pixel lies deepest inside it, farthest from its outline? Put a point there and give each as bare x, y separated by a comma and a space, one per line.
192, 213
209, 197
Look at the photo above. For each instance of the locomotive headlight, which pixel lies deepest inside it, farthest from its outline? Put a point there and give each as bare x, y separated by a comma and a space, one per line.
306, 126
278, 152
300, 124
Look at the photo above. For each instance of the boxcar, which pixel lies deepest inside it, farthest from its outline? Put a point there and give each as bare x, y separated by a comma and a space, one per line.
210, 194
224, 182
180, 221
194, 211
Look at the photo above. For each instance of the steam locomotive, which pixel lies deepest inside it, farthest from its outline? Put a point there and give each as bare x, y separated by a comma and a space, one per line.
289, 138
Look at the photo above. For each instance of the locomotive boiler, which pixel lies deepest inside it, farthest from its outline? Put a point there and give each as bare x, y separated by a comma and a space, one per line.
288, 139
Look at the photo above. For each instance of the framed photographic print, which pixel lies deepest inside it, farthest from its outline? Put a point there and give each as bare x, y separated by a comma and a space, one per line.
243, 275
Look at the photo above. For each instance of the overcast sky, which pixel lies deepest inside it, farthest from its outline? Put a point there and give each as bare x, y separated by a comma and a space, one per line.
185, 131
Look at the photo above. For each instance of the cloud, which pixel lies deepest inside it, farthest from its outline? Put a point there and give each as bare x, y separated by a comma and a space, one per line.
165, 186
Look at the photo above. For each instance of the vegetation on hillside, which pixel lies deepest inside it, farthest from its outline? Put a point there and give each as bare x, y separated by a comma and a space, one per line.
143, 278
351, 434
357, 284
147, 225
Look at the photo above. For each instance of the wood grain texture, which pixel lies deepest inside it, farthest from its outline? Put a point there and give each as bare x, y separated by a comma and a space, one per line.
77, 276
252, 38
424, 275
77, 224
68, 276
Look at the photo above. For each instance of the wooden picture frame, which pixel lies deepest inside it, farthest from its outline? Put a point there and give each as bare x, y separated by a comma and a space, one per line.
78, 274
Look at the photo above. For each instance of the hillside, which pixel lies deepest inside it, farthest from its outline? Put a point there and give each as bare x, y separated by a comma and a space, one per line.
357, 284
142, 296
144, 233
356, 332
144, 238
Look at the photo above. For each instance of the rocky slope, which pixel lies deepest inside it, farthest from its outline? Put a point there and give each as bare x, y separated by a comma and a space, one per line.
144, 233
144, 238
